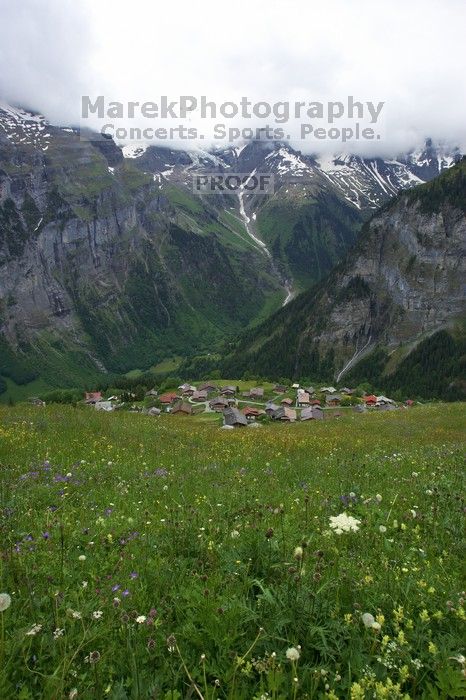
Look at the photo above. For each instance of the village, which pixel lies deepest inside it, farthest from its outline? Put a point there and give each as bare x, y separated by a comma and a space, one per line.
248, 406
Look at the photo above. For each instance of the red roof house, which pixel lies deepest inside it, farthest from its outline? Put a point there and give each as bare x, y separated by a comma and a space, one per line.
370, 400
92, 396
168, 398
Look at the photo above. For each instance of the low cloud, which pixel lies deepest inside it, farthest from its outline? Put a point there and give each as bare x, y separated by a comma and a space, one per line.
408, 55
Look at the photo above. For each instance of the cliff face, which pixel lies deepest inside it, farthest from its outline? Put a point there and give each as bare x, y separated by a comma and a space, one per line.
97, 270
403, 281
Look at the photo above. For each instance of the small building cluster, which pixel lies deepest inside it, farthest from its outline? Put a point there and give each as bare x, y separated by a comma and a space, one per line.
249, 407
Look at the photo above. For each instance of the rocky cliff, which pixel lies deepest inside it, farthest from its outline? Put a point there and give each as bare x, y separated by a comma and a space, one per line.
403, 281
98, 270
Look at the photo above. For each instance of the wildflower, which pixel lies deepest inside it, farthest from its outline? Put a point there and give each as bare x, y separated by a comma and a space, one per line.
376, 626
97, 614
84, 584
382, 529
133, 575
141, 619
82, 557
5, 601
459, 658
59, 632
234, 534
357, 692
73, 694
424, 616
404, 673
171, 643
298, 553
344, 523
292, 654
76, 615
432, 648
35, 629
368, 619
378, 497
93, 657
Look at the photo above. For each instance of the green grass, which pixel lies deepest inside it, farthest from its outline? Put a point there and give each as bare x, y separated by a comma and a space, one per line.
21, 392
165, 558
170, 364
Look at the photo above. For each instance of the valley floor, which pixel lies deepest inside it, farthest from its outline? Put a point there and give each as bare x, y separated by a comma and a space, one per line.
161, 558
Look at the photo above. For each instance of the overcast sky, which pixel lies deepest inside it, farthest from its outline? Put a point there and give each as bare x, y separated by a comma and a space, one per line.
409, 55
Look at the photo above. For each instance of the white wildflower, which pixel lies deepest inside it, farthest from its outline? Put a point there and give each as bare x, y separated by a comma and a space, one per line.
141, 619
367, 619
298, 553
234, 534
59, 632
344, 523
35, 629
97, 614
82, 557
5, 601
378, 497
292, 654
382, 529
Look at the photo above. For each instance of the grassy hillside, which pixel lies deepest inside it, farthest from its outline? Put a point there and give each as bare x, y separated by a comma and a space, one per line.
308, 236
165, 558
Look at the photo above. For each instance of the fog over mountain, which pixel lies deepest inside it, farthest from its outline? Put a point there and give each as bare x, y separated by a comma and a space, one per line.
408, 55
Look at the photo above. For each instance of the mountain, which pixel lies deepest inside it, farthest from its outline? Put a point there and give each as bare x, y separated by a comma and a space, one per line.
319, 203
398, 295
108, 261
99, 270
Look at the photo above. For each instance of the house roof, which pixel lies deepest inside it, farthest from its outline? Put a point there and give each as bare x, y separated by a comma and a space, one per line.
303, 396
287, 402
328, 390
232, 416
199, 395
279, 388
312, 412
384, 399
93, 395
315, 402
285, 413
218, 401
333, 397
370, 398
257, 390
207, 385
250, 411
168, 397
182, 407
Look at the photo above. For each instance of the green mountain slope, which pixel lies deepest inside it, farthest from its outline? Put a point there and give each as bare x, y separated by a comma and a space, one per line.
401, 284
